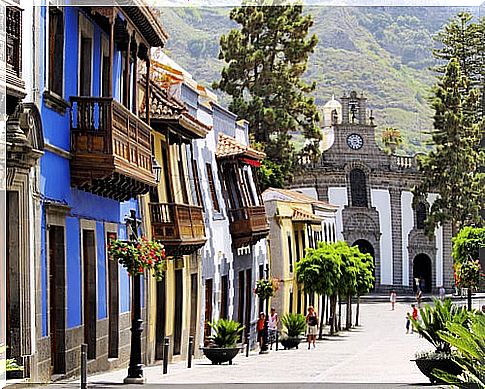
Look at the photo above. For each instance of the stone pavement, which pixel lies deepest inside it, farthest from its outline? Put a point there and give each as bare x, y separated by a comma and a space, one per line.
375, 355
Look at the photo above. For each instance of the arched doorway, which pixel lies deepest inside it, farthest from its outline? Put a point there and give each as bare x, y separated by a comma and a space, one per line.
422, 275
366, 248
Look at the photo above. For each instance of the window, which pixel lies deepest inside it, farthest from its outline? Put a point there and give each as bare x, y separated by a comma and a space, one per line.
224, 296
195, 172
180, 162
210, 178
421, 215
358, 188
290, 253
85, 56
105, 67
56, 50
297, 245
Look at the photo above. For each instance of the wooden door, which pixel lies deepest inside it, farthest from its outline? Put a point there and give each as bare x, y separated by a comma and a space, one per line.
57, 319
160, 323
208, 308
114, 299
193, 304
90, 311
179, 308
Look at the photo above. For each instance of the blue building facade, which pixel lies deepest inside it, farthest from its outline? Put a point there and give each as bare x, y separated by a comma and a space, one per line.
97, 160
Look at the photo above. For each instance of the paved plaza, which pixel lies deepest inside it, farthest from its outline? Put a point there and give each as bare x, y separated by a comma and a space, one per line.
375, 355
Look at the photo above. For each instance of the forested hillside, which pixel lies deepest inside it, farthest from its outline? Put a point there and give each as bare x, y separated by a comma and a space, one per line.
384, 52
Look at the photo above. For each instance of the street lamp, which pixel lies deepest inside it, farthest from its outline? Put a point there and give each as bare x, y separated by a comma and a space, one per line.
135, 369
157, 169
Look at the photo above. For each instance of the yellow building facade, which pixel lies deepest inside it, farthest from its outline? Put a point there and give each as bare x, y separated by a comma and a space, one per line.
173, 215
297, 222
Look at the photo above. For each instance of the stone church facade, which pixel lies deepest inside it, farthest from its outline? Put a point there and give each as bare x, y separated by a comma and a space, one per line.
377, 209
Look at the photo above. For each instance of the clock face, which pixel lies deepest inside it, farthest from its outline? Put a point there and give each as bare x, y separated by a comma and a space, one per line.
355, 141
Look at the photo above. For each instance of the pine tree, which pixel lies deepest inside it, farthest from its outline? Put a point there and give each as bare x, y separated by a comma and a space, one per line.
464, 39
265, 60
453, 169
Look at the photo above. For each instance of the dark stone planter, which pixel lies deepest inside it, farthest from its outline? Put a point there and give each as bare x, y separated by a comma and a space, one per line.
220, 355
427, 365
290, 342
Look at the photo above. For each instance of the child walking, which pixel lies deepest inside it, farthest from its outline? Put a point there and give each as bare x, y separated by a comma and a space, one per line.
408, 322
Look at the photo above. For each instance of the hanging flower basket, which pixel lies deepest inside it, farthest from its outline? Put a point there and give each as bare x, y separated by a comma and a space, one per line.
266, 288
138, 256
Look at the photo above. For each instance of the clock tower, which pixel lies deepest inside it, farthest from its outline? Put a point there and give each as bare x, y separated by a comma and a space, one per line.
377, 209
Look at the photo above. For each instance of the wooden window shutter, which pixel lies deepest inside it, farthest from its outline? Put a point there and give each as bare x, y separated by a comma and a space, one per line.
212, 187
56, 50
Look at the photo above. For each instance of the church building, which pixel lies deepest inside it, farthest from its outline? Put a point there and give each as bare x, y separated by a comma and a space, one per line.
377, 209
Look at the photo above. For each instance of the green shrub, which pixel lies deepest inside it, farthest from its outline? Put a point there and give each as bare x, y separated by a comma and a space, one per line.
11, 365
435, 318
469, 341
294, 324
226, 332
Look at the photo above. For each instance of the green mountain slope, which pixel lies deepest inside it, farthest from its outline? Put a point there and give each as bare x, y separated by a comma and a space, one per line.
384, 52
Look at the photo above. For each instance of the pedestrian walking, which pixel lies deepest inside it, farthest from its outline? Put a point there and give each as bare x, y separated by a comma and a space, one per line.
260, 328
273, 321
393, 298
441, 293
414, 314
312, 326
419, 297
408, 323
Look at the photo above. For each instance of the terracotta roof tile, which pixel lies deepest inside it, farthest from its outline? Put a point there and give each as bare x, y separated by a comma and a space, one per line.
229, 147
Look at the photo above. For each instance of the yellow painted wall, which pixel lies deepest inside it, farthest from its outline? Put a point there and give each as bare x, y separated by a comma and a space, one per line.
170, 273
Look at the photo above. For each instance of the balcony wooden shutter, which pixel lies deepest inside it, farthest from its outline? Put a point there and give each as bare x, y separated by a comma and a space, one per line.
210, 177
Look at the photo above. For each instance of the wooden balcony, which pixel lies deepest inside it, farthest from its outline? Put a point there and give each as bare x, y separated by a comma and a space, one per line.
179, 227
111, 151
248, 225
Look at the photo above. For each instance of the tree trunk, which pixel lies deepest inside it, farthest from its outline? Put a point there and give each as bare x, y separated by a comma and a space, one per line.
327, 313
339, 326
322, 318
469, 298
333, 311
348, 318
357, 311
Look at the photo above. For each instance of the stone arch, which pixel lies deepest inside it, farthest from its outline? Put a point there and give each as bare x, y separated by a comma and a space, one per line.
366, 247
420, 244
422, 273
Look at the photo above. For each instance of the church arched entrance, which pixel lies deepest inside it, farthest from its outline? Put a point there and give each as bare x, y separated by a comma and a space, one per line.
366, 248
422, 276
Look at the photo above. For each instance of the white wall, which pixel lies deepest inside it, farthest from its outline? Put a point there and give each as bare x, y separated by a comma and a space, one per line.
338, 196
407, 217
381, 200
439, 246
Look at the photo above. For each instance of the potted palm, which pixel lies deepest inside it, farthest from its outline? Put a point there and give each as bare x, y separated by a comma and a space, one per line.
223, 343
294, 325
434, 320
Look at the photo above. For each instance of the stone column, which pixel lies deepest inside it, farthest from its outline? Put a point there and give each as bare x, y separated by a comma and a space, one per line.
448, 281
396, 225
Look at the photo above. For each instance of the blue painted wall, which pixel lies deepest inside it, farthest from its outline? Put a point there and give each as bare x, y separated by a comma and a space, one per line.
55, 183
73, 273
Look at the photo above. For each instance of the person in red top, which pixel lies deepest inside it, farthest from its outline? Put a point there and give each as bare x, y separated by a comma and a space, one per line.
260, 328
415, 315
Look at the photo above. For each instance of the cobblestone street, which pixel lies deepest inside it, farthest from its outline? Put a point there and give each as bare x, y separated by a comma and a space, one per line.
376, 354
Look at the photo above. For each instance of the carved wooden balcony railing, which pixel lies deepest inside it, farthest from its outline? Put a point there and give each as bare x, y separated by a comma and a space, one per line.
111, 151
13, 49
179, 227
248, 225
